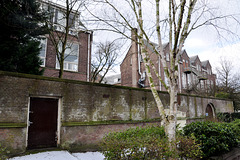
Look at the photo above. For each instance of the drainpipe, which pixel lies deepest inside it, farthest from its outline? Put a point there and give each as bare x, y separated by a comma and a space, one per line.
139, 61
142, 74
88, 58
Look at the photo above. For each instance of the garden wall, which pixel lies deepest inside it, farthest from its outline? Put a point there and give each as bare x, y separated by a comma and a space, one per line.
87, 110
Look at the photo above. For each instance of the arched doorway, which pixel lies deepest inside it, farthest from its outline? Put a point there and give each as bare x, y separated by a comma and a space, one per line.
210, 112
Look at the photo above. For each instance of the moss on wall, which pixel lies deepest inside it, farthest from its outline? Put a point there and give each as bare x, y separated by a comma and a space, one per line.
94, 123
12, 125
84, 104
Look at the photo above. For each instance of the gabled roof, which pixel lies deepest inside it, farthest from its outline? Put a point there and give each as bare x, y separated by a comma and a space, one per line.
205, 63
184, 51
193, 59
148, 45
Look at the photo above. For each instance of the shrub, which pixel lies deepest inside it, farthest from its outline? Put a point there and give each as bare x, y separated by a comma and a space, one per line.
139, 143
228, 117
222, 95
215, 138
148, 143
236, 126
235, 115
187, 147
224, 117
3, 152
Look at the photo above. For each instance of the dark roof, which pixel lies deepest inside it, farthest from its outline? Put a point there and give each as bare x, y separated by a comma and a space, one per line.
193, 59
204, 63
184, 51
154, 44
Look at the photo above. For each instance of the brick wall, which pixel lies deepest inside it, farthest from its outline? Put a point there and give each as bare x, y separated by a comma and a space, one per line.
86, 108
83, 61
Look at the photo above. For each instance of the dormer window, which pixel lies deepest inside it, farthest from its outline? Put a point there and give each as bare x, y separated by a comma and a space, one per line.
58, 16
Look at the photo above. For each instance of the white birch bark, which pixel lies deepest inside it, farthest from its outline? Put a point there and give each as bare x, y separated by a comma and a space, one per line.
147, 67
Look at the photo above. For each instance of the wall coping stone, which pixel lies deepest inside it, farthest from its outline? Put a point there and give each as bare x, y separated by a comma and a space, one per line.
39, 77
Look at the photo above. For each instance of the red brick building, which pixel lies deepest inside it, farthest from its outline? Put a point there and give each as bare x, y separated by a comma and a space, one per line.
194, 76
77, 60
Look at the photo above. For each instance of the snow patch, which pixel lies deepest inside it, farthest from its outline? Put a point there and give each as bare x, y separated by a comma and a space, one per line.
61, 155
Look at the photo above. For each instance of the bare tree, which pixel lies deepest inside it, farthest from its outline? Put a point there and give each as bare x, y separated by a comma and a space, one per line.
64, 24
183, 17
228, 82
105, 58
226, 78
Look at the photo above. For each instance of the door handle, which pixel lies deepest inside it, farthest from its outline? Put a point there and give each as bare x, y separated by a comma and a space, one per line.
29, 123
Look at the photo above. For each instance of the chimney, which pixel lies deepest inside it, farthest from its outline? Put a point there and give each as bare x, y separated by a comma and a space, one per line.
134, 35
134, 57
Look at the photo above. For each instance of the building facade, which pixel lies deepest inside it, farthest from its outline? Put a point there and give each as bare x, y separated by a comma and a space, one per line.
195, 76
77, 58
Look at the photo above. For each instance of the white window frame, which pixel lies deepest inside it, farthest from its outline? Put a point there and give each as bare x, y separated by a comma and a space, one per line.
167, 57
166, 79
66, 63
184, 81
43, 58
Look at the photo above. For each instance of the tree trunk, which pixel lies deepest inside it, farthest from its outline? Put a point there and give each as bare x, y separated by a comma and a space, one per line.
60, 75
170, 127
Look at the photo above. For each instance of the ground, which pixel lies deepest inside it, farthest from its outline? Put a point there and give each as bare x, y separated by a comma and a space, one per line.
61, 155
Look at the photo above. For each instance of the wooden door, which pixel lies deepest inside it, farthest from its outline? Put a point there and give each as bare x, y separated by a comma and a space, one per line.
209, 113
42, 123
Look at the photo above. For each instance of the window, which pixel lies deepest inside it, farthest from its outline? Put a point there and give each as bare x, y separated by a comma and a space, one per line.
208, 83
165, 79
42, 55
189, 80
184, 81
198, 67
51, 14
58, 16
209, 71
186, 63
71, 20
70, 58
202, 84
167, 57
195, 78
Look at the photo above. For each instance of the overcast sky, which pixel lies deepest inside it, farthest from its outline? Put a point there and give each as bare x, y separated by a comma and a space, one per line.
207, 44
204, 42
